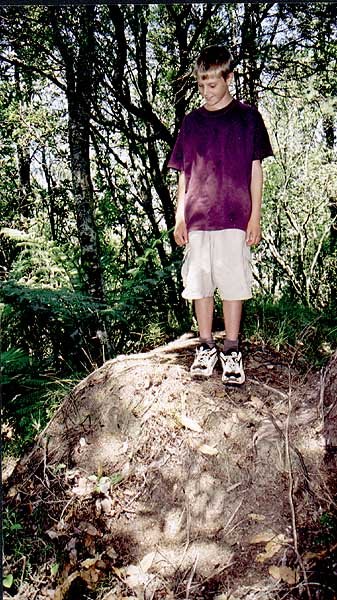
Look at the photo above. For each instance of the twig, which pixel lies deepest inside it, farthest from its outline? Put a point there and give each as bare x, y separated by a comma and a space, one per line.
321, 399
214, 574
45, 476
66, 506
24, 561
297, 452
190, 579
268, 387
236, 525
188, 524
291, 492
141, 491
233, 515
38, 589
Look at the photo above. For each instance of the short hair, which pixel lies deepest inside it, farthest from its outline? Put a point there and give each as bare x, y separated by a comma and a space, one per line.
214, 58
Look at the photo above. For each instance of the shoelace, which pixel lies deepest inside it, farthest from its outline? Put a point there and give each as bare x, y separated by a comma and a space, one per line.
203, 357
232, 364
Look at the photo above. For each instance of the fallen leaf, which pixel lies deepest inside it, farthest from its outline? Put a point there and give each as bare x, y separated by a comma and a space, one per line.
311, 555
7, 581
284, 573
71, 544
91, 577
146, 563
256, 517
228, 426
103, 485
88, 528
189, 423
256, 402
111, 552
106, 504
242, 415
233, 487
135, 576
263, 536
271, 549
83, 487
89, 562
52, 534
210, 450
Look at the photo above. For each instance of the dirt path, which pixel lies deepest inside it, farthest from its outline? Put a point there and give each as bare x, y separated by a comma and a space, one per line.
178, 488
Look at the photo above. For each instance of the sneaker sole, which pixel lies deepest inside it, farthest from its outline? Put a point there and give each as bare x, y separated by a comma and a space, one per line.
234, 381
201, 374
204, 373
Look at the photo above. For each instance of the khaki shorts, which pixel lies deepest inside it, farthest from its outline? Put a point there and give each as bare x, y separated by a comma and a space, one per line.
217, 259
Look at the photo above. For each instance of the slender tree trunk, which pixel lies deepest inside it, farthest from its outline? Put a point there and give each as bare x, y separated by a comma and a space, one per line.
249, 41
79, 77
83, 195
23, 158
329, 131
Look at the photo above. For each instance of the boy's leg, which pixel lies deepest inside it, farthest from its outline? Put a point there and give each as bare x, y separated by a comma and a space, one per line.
206, 355
204, 308
231, 358
232, 310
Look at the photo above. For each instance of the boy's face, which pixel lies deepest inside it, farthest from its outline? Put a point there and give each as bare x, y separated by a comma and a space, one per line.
214, 90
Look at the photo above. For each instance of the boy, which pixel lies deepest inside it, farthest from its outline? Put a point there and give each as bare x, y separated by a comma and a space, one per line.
218, 152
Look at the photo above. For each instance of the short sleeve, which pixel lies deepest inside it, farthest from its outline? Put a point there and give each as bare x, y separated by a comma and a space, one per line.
176, 160
262, 146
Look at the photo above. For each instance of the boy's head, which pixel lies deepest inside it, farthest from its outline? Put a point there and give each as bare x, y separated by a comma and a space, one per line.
215, 59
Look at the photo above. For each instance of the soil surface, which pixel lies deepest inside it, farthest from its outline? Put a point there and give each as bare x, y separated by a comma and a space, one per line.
150, 484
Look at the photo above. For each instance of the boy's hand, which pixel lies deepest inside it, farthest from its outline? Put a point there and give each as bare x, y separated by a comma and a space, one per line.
253, 232
180, 233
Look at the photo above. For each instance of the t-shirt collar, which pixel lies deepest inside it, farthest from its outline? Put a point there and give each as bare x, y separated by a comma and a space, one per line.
219, 111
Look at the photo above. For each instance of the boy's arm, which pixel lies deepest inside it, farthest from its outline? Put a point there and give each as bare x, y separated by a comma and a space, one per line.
253, 232
180, 231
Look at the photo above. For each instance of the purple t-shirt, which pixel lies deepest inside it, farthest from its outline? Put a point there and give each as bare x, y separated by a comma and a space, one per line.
215, 149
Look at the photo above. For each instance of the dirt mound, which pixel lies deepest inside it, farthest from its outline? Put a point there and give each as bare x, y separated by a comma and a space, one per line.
152, 485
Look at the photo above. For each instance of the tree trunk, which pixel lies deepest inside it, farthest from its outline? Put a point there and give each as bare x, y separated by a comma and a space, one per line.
329, 131
79, 77
329, 392
23, 158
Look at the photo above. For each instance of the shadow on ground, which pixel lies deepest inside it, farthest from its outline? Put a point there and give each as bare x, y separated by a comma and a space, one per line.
151, 485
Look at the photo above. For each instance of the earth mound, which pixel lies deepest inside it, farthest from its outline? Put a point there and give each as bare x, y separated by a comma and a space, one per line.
150, 484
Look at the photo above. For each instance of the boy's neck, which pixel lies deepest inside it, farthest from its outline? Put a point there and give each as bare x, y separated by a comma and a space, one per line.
225, 102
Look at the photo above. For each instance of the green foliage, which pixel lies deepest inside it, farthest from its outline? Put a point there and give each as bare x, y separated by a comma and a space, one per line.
142, 315
310, 335
31, 394
40, 261
297, 258
46, 349
24, 546
328, 530
8, 580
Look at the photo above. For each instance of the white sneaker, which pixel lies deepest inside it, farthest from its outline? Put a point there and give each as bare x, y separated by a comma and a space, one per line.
204, 361
232, 367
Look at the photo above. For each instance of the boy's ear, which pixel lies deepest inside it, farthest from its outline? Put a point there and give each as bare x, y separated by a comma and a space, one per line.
229, 77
